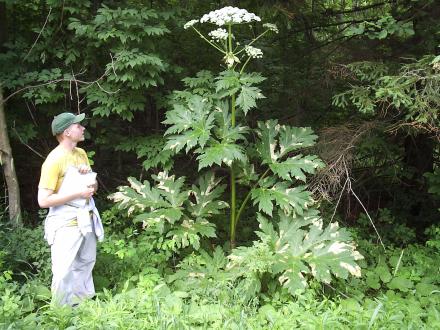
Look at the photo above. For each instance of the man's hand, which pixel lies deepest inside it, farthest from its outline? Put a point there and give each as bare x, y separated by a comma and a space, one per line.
87, 193
83, 169
94, 186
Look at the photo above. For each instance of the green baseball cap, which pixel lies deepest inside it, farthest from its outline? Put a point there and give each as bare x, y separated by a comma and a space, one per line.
64, 120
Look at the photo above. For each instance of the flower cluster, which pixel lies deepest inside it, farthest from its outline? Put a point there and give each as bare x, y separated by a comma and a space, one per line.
271, 27
190, 23
253, 52
229, 15
219, 34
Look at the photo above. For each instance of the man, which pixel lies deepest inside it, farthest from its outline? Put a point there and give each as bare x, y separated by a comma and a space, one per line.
70, 230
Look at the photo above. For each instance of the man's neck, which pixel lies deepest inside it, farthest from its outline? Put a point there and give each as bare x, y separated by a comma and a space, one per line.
67, 144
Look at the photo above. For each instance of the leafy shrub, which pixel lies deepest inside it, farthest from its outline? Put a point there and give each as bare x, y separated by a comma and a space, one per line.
150, 148
405, 272
30, 257
392, 231
433, 233
126, 258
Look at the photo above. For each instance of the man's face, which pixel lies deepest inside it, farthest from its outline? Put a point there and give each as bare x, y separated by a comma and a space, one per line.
75, 132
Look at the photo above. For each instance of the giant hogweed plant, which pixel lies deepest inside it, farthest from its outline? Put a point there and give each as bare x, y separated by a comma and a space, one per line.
208, 119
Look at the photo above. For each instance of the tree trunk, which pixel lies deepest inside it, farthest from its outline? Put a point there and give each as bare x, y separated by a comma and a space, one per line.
7, 162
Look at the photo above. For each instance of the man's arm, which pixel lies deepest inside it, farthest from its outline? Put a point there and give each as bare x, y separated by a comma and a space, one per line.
48, 198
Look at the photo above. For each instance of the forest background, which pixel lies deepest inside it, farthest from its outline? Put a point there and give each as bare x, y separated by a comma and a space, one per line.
363, 75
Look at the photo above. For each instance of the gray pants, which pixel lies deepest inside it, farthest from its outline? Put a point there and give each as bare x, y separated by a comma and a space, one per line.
73, 258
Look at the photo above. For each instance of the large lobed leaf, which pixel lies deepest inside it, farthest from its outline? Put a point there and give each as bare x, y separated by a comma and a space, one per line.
247, 97
207, 196
193, 122
219, 153
230, 83
172, 210
292, 200
299, 247
296, 167
276, 142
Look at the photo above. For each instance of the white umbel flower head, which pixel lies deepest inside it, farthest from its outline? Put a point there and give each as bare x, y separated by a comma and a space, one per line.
271, 27
219, 34
229, 15
190, 23
253, 52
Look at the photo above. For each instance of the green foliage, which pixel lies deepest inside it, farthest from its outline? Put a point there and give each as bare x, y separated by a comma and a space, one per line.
128, 258
205, 292
30, 257
194, 120
290, 200
434, 182
150, 149
205, 277
277, 141
413, 89
203, 123
230, 82
403, 272
135, 64
382, 28
208, 118
433, 233
392, 230
300, 247
176, 214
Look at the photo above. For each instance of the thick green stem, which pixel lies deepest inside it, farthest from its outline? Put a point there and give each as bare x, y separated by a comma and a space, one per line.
248, 196
230, 38
233, 183
233, 206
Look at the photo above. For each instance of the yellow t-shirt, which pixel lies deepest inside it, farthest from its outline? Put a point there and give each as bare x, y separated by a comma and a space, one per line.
56, 164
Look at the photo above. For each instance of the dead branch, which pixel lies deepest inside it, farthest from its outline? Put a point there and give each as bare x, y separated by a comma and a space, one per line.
39, 34
336, 149
74, 80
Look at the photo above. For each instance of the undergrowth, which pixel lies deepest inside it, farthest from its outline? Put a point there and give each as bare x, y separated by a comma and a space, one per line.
400, 288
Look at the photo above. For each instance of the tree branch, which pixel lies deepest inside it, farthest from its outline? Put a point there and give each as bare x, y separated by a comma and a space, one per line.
39, 34
332, 12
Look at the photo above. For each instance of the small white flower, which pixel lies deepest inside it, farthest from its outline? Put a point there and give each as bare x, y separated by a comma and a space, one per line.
219, 34
190, 23
253, 52
271, 27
